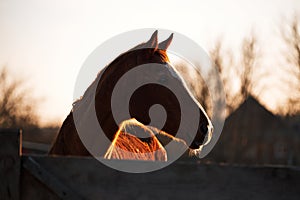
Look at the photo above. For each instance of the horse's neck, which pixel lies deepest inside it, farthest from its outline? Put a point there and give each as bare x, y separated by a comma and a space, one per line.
90, 92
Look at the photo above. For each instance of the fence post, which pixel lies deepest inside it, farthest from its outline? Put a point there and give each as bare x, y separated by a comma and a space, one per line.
10, 163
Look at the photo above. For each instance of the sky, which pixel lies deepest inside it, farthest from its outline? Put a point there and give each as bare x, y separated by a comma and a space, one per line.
46, 42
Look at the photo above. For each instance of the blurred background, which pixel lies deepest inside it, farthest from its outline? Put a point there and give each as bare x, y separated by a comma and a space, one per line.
255, 46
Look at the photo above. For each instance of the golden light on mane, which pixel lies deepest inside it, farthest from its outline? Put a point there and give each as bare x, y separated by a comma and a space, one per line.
163, 55
128, 145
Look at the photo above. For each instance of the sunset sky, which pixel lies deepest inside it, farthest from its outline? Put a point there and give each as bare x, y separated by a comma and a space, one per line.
46, 42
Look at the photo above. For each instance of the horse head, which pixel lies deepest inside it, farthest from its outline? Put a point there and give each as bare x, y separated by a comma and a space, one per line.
161, 76
164, 86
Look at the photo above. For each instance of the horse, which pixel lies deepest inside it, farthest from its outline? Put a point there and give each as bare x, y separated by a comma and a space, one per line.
68, 141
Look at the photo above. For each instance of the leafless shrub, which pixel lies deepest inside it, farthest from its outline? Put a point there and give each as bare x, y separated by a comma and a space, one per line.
17, 107
249, 58
290, 33
196, 84
223, 60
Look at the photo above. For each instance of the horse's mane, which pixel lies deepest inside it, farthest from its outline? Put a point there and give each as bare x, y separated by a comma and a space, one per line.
151, 147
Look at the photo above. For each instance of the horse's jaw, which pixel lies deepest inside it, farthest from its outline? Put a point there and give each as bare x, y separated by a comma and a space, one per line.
195, 152
208, 137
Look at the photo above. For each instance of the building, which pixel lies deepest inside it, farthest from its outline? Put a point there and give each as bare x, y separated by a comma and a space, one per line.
253, 135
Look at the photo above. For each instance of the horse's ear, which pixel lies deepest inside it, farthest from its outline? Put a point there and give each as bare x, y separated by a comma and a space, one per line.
152, 42
165, 44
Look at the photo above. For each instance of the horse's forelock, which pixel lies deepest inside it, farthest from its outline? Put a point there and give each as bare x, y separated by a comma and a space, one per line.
162, 55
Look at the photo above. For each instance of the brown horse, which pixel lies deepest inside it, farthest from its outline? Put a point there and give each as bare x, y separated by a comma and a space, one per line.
68, 141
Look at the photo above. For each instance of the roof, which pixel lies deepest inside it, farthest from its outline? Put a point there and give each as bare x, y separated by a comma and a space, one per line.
251, 116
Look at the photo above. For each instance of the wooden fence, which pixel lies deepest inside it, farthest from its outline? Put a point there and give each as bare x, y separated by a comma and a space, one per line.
42, 177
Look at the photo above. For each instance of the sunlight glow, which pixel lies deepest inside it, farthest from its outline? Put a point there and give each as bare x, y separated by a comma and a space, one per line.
47, 41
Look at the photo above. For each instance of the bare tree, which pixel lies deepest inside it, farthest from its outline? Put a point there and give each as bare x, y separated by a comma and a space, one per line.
196, 84
249, 57
16, 105
203, 95
223, 61
291, 38
217, 57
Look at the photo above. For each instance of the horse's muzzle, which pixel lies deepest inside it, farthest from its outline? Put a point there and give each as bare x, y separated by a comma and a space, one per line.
204, 138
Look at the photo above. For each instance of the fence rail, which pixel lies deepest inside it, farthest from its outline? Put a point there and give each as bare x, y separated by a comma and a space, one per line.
43, 177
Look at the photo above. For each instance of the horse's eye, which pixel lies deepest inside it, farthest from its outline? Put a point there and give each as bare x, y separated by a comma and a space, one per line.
163, 79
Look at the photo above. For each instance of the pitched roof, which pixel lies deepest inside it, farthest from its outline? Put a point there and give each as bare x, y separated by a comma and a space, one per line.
252, 116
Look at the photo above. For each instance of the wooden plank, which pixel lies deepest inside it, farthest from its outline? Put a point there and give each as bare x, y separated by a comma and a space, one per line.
36, 146
32, 188
49, 180
181, 180
9, 163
